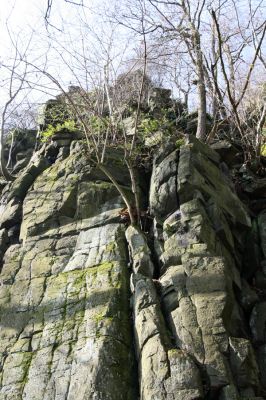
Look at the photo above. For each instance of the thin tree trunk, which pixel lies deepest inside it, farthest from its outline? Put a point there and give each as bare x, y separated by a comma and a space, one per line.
135, 189
123, 194
4, 171
8, 165
259, 131
202, 106
215, 104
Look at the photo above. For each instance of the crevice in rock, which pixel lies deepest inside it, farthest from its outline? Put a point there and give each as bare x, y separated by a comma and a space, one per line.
154, 259
176, 183
18, 191
205, 380
245, 312
135, 369
167, 322
160, 313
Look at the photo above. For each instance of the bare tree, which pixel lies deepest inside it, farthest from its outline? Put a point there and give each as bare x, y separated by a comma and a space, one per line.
175, 37
234, 96
181, 21
184, 30
15, 84
50, 4
95, 103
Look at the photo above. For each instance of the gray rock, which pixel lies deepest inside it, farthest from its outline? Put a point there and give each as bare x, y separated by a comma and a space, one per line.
261, 357
258, 323
163, 189
243, 362
262, 231
227, 151
12, 213
140, 253
71, 329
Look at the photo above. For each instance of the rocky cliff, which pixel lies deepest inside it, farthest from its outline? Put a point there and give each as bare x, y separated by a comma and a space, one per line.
94, 309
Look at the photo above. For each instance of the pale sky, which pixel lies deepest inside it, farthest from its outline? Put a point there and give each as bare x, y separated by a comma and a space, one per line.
65, 47
23, 20
19, 17
77, 48
26, 16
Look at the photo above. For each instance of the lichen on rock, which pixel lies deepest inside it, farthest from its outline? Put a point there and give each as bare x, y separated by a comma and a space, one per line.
91, 308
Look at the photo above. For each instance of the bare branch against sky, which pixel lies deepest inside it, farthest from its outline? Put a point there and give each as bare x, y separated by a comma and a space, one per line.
61, 33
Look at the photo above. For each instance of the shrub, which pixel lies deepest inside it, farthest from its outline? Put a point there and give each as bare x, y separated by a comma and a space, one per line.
68, 125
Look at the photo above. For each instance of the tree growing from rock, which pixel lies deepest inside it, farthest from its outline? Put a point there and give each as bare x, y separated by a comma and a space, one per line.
221, 43
99, 110
13, 83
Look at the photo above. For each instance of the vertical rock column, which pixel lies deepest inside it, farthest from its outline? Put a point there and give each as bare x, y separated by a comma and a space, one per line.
199, 230
164, 371
258, 313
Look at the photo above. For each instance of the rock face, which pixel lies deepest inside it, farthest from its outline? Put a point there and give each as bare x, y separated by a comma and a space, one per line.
93, 309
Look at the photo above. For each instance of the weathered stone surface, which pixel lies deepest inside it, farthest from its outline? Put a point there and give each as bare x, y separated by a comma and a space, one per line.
258, 322
229, 392
248, 296
193, 326
198, 171
140, 252
64, 295
3, 242
164, 372
200, 273
163, 188
244, 365
13, 196
261, 357
199, 312
251, 255
226, 150
252, 185
262, 231
12, 213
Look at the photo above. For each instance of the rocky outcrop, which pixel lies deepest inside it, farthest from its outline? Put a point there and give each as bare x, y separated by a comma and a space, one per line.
92, 308
66, 329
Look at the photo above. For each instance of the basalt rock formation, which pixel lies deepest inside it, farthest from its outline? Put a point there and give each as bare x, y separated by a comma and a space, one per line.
95, 309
